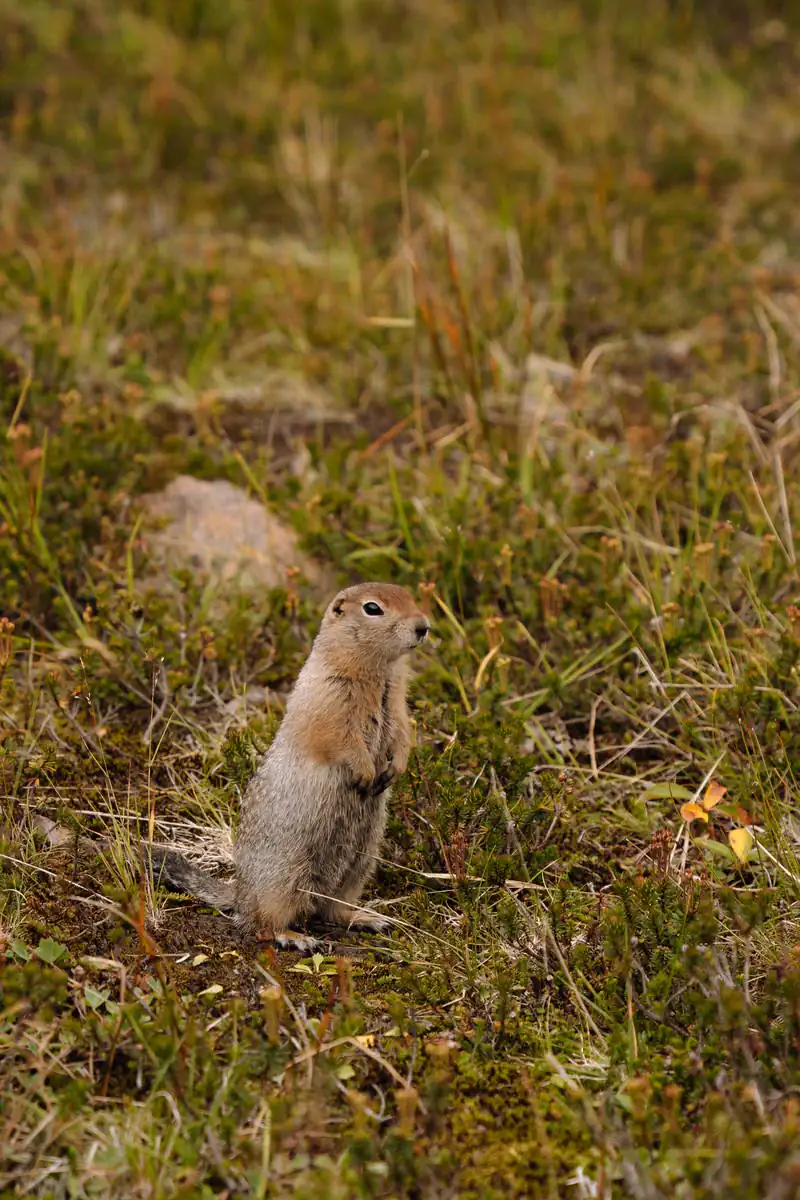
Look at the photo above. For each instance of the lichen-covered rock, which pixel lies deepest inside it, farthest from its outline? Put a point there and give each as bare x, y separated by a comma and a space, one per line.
214, 528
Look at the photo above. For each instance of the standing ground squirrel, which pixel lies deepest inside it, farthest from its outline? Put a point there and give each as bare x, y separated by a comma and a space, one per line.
313, 814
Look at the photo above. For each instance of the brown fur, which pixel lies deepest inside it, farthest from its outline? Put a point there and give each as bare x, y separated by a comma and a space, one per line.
314, 812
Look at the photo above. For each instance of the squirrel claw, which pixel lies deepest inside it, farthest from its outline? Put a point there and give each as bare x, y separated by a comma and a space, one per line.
364, 919
288, 939
382, 782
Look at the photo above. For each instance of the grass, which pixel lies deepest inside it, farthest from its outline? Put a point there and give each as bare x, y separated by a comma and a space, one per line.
497, 301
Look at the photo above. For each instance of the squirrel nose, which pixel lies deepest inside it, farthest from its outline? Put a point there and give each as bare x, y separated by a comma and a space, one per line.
421, 629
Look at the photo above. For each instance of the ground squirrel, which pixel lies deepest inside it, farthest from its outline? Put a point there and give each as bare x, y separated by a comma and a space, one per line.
313, 814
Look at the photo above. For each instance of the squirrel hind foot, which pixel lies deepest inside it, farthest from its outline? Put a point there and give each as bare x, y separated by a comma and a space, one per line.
355, 920
288, 939
369, 922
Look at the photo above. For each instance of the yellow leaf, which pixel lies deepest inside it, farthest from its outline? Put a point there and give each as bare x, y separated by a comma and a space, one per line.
741, 841
714, 793
693, 812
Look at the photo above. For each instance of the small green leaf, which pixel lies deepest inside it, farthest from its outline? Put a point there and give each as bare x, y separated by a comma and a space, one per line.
666, 791
345, 1071
317, 960
717, 849
302, 968
213, 990
49, 951
20, 950
94, 998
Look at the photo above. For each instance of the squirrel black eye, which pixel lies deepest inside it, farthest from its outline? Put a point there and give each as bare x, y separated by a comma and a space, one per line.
372, 609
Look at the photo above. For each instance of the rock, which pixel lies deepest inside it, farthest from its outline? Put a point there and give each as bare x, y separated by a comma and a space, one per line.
54, 834
215, 529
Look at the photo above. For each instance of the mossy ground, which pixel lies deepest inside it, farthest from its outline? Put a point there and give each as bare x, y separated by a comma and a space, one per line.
498, 301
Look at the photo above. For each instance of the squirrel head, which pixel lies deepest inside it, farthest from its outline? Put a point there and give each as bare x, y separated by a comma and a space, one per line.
379, 621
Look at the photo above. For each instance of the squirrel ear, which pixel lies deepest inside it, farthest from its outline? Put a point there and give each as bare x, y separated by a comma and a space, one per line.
338, 606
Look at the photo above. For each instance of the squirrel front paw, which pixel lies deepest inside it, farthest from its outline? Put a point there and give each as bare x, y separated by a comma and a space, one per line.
363, 779
382, 781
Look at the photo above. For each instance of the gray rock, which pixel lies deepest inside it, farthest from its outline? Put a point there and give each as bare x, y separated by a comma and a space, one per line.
218, 531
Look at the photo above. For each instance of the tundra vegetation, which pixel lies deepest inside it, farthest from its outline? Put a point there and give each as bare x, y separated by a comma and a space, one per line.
498, 301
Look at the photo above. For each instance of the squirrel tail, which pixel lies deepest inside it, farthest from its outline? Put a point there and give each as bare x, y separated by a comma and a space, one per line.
175, 871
